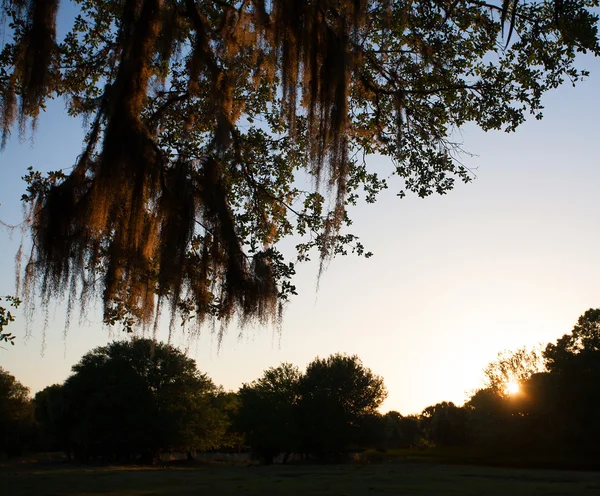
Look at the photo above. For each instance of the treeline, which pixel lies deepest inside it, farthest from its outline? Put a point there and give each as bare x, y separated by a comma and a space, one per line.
544, 402
133, 400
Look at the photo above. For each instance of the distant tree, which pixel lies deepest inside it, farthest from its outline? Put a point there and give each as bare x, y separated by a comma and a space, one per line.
558, 402
512, 367
228, 405
445, 424
389, 431
497, 411
400, 431
489, 417
372, 433
137, 398
543, 422
409, 428
52, 419
574, 365
16, 415
578, 351
268, 412
543, 415
339, 395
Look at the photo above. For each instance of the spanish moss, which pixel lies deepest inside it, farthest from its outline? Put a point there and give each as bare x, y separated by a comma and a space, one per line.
203, 115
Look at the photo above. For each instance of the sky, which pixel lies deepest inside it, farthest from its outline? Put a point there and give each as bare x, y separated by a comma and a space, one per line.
509, 260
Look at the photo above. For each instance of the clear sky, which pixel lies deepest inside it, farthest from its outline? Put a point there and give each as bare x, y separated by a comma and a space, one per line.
506, 261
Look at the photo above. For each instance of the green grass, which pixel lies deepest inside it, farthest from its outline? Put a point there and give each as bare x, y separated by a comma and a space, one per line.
514, 458
398, 478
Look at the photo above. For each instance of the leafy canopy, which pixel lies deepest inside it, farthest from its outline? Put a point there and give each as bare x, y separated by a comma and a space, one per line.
579, 350
206, 119
268, 413
512, 367
139, 397
558, 401
16, 414
338, 397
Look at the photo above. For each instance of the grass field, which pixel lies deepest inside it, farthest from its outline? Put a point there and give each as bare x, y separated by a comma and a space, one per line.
515, 458
398, 478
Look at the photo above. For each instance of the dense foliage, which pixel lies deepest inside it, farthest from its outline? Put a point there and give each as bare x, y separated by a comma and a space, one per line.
444, 424
53, 419
556, 407
218, 128
338, 397
324, 412
269, 412
139, 398
16, 415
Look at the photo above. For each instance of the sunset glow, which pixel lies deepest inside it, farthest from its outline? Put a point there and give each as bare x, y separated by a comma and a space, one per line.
512, 387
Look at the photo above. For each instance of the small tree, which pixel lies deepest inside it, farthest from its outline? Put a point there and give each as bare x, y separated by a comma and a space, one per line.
268, 413
52, 419
445, 424
512, 367
579, 349
228, 406
338, 394
400, 431
16, 415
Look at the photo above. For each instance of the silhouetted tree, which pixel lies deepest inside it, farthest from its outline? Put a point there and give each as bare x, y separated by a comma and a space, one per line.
268, 412
512, 367
16, 415
486, 414
203, 115
537, 418
137, 398
389, 431
537, 408
445, 424
574, 365
498, 416
401, 431
557, 405
372, 433
339, 395
579, 350
52, 419
228, 404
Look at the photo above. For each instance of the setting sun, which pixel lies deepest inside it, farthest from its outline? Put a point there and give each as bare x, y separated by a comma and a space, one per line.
512, 387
